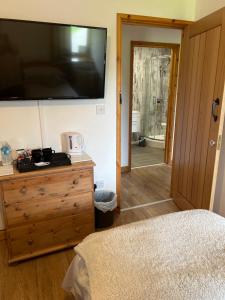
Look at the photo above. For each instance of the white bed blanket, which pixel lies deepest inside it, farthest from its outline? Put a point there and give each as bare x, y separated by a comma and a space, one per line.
175, 256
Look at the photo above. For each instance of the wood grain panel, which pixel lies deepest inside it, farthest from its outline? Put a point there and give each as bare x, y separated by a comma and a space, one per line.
208, 83
39, 187
196, 94
153, 21
47, 211
2, 235
47, 207
214, 126
207, 23
202, 76
191, 101
171, 110
78, 166
180, 111
185, 117
31, 240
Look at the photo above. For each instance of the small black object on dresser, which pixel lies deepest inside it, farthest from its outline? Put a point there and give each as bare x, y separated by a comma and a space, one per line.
57, 159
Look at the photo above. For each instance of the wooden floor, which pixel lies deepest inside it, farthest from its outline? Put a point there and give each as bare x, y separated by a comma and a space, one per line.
41, 278
145, 156
145, 185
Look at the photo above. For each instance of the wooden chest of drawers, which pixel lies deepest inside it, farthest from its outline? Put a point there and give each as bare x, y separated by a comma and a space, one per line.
47, 210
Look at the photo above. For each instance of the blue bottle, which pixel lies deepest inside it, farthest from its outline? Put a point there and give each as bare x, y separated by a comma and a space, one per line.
6, 153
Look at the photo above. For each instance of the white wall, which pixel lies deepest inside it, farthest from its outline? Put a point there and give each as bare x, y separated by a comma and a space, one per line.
19, 122
205, 7
137, 33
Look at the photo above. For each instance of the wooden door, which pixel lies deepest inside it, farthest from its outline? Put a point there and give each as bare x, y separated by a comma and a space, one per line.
200, 93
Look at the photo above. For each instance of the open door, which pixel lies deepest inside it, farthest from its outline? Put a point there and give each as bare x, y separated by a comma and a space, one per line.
200, 94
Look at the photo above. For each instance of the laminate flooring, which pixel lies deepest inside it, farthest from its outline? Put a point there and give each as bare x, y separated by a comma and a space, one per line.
145, 185
144, 156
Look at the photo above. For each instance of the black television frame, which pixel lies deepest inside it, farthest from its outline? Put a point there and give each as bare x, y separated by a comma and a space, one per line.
59, 98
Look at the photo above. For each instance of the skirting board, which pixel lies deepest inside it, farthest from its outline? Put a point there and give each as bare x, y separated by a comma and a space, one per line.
2, 235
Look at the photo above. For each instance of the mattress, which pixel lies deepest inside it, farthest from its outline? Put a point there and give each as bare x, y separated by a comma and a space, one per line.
175, 256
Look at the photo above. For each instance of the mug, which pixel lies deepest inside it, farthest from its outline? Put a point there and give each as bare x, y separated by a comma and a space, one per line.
36, 155
47, 154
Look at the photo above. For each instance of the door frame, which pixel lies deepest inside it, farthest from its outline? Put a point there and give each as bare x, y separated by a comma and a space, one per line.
171, 96
133, 20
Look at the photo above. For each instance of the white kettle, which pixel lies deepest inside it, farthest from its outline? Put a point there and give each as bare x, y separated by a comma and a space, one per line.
72, 143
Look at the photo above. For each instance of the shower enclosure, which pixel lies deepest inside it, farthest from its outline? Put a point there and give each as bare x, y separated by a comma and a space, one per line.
151, 75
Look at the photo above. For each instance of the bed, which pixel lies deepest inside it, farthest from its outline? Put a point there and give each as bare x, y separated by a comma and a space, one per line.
175, 256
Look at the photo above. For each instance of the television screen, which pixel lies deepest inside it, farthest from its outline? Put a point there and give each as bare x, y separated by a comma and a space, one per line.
51, 61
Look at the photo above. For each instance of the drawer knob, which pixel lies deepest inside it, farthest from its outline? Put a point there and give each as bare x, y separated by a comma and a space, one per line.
23, 190
6, 204
42, 191
30, 242
77, 230
17, 208
26, 216
75, 181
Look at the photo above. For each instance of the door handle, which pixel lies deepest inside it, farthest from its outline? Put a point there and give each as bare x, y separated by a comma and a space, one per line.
212, 143
215, 104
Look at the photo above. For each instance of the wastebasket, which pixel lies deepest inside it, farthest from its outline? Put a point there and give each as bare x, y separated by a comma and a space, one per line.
105, 204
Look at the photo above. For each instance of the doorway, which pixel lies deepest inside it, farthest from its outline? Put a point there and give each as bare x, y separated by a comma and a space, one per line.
133, 20
199, 107
153, 82
149, 76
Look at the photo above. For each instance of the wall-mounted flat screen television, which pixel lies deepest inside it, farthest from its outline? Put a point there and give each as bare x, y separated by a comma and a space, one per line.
51, 61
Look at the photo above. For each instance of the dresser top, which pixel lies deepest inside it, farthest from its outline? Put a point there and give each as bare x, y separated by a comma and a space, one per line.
76, 166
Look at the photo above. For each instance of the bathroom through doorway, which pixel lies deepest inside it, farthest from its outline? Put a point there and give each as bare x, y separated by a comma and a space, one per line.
150, 58
153, 79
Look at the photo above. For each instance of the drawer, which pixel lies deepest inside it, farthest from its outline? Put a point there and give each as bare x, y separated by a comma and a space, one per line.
50, 206
49, 185
44, 237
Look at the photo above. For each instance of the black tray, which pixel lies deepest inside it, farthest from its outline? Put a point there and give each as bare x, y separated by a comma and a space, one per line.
58, 159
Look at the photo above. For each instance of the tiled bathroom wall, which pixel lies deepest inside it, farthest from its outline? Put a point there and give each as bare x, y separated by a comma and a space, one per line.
151, 72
